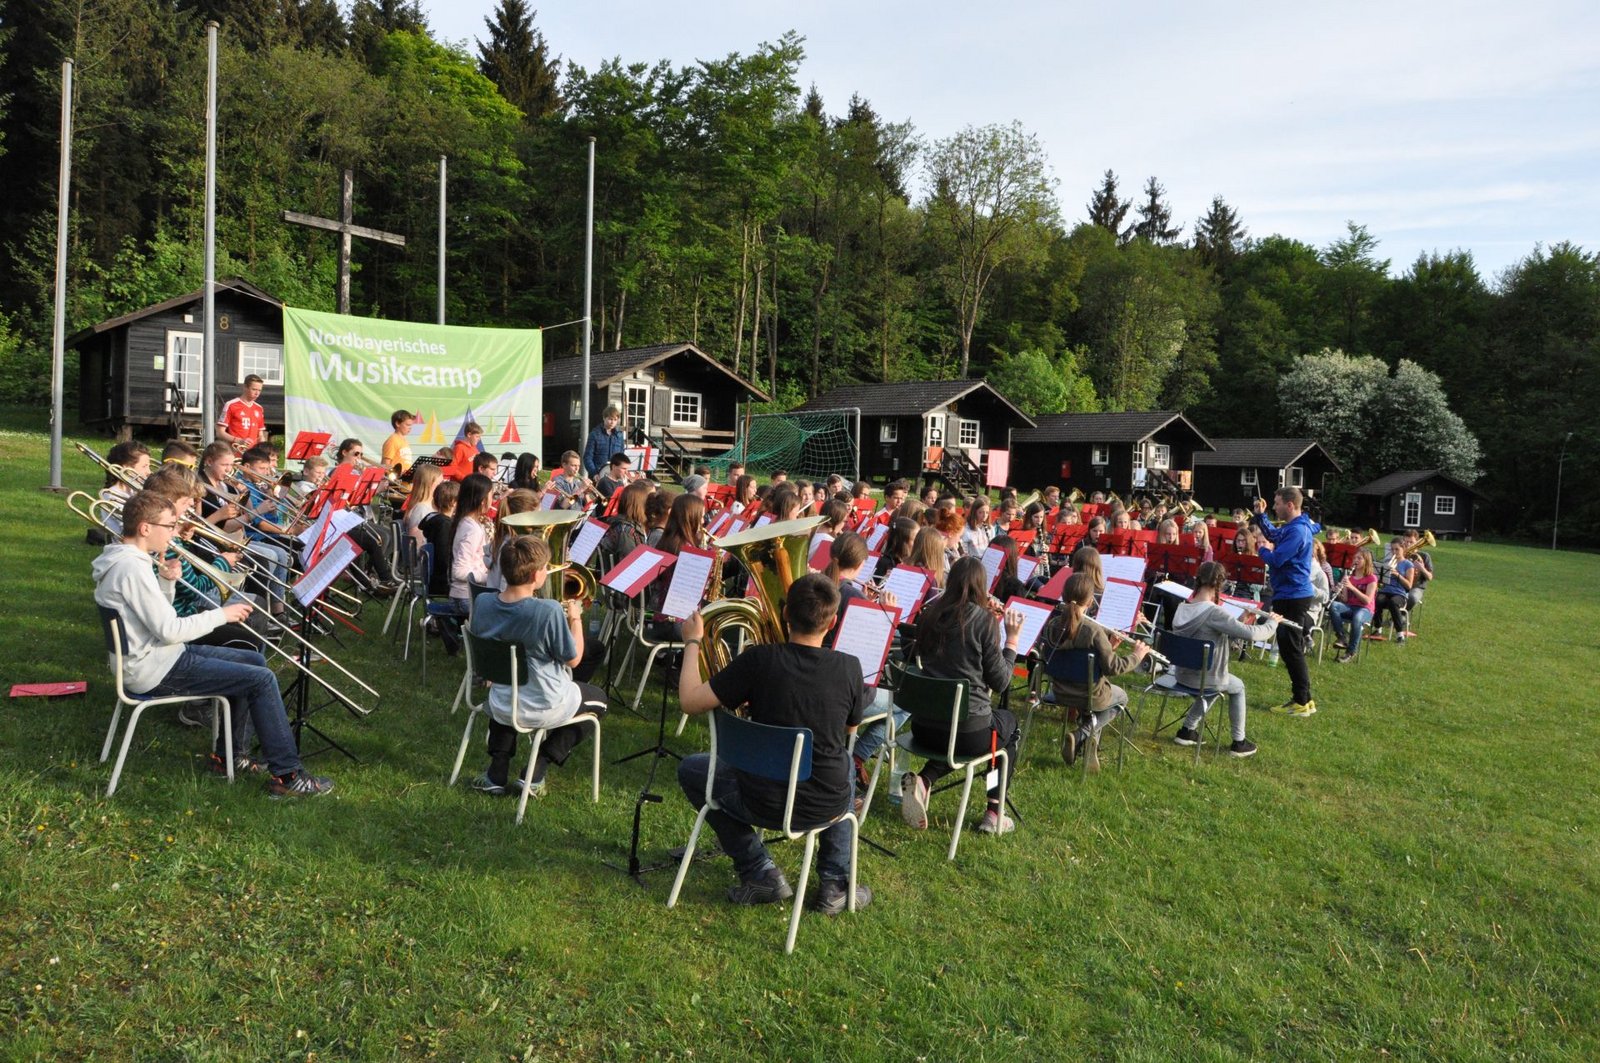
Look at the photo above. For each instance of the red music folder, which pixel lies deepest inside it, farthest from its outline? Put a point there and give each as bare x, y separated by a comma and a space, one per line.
48, 690
634, 572
309, 445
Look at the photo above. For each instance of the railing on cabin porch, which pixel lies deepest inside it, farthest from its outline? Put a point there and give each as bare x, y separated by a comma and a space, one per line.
960, 473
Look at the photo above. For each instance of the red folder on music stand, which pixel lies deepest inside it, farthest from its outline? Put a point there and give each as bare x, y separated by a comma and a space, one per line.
367, 487
634, 572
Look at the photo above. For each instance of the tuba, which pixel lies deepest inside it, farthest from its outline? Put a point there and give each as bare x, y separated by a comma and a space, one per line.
1427, 542
554, 526
775, 555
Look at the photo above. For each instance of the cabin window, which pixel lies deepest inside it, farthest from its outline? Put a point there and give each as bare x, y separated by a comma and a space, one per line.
1248, 478
935, 432
1294, 476
636, 403
1138, 456
184, 357
265, 360
686, 408
1161, 456
888, 430
967, 434
1101, 455
1444, 505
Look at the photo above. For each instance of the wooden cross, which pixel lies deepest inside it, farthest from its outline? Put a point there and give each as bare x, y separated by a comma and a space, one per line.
346, 228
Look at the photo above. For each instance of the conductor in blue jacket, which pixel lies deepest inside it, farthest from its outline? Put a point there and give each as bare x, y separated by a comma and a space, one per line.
606, 439
1289, 571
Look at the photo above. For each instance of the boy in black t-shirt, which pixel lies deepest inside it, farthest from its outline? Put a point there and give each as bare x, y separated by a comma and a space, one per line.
795, 684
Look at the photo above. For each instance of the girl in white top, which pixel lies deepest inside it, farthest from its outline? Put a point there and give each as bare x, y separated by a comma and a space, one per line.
469, 559
976, 536
426, 477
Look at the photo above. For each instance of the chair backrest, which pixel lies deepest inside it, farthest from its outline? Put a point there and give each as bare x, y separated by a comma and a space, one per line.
424, 569
1185, 652
111, 627
762, 749
474, 589
941, 702
492, 660
1078, 667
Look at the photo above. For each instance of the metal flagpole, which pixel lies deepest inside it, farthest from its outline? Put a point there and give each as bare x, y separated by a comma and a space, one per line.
58, 338
208, 354
442, 180
588, 293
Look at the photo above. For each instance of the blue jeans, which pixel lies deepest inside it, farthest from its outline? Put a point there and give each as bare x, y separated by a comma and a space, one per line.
870, 739
1349, 616
740, 840
241, 676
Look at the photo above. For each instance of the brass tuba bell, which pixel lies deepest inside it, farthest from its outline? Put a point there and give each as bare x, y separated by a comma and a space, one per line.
774, 555
554, 526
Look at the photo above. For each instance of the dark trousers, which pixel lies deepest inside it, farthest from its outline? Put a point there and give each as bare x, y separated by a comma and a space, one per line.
558, 744
1001, 734
1393, 604
374, 549
732, 822
1292, 644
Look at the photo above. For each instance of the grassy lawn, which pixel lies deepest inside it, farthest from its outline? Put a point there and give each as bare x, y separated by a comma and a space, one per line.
1413, 873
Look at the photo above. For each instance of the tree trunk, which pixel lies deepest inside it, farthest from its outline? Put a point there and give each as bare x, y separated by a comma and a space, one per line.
622, 310
772, 331
755, 324
738, 317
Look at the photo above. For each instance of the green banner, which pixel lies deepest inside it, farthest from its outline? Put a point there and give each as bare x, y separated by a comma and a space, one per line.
347, 375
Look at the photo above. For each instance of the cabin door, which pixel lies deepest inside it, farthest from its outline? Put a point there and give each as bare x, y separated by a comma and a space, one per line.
184, 368
636, 407
1412, 516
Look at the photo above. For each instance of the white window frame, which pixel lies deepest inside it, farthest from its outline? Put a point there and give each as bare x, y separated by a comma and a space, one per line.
1411, 510
1100, 454
969, 440
636, 395
1161, 457
1249, 478
699, 409
1439, 507
1138, 457
933, 430
199, 339
1294, 476
270, 377
888, 430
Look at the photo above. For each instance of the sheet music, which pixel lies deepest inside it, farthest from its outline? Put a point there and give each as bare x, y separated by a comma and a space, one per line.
1128, 568
1177, 590
865, 634
688, 586
624, 576
504, 472
334, 561
1034, 614
330, 526
909, 585
1026, 567
876, 536
992, 557
583, 545
719, 527
1119, 606
548, 500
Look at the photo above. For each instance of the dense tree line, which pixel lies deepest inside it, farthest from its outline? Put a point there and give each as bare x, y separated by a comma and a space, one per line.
805, 242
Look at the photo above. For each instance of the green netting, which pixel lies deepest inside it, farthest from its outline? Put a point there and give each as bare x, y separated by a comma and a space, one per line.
807, 445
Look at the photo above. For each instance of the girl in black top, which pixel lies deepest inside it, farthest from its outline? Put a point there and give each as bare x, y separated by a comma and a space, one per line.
1008, 585
959, 637
897, 547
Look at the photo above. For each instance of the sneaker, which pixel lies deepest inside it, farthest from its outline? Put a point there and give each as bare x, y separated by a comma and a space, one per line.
995, 823
243, 764
833, 897
1344, 658
914, 800
195, 716
485, 785
1093, 753
536, 788
300, 784
1294, 708
1242, 748
385, 589
769, 888
1069, 748
1187, 736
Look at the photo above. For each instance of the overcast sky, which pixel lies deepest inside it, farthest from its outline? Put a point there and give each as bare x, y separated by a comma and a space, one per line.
1438, 126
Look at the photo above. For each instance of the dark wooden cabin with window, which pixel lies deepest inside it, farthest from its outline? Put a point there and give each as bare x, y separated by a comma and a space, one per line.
1417, 498
900, 424
1121, 452
1239, 470
682, 398
143, 370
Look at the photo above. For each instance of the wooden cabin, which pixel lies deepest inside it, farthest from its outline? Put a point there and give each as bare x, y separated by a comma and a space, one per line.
1240, 470
683, 399
1121, 452
143, 370
905, 429
1417, 498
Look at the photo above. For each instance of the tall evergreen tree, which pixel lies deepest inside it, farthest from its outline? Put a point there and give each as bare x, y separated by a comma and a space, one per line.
1218, 236
517, 59
1155, 216
1106, 208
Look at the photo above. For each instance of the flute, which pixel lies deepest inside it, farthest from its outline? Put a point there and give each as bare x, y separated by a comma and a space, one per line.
1160, 658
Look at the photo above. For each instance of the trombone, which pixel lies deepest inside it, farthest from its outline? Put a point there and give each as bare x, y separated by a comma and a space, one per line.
229, 584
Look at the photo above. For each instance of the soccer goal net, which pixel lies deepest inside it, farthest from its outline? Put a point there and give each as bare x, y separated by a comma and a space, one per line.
807, 445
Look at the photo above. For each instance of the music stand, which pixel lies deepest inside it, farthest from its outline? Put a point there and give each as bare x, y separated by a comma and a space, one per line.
325, 567
367, 487
309, 445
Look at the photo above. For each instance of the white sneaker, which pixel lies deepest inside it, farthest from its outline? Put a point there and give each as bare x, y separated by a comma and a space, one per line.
995, 823
914, 800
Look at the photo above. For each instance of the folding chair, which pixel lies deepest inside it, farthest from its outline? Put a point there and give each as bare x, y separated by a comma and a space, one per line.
1080, 668
1188, 653
943, 702
501, 662
638, 622
433, 606
780, 754
405, 564
117, 646
879, 759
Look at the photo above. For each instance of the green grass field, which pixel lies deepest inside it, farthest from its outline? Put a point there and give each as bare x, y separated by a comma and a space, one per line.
1413, 873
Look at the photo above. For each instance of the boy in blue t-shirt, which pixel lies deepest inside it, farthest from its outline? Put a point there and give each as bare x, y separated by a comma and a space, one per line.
551, 636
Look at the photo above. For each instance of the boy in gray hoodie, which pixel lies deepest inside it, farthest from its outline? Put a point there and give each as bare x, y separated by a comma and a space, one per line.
160, 662
1202, 618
